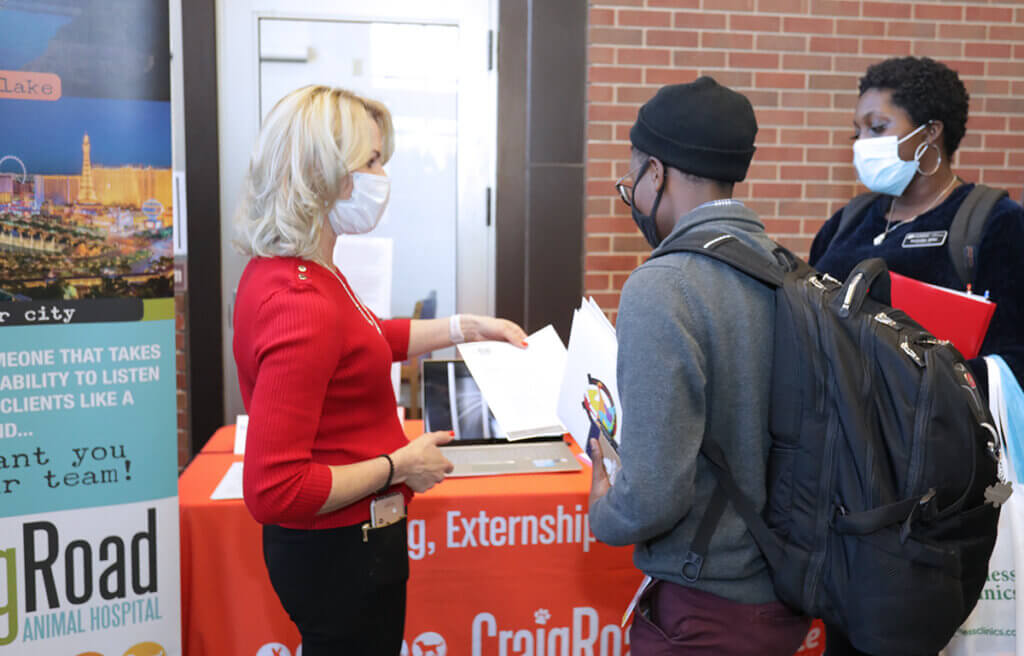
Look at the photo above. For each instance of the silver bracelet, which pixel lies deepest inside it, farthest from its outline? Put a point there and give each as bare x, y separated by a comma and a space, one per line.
455, 330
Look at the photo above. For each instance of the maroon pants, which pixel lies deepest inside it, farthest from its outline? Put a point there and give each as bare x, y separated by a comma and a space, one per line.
672, 620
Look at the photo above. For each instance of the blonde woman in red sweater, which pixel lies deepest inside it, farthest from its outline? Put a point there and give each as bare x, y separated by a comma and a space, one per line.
314, 366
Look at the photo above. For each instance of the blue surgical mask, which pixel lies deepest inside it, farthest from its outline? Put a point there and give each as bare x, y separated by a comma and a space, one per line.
647, 223
879, 166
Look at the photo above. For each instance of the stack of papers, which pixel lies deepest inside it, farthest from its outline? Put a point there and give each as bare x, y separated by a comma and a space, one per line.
588, 401
520, 385
547, 389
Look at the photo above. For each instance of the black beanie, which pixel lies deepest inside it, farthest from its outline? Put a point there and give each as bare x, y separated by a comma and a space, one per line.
701, 128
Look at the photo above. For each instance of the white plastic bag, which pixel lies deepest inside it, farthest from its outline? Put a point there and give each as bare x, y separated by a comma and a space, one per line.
992, 629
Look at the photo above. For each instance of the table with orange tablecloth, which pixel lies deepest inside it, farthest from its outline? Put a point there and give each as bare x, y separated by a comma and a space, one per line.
499, 565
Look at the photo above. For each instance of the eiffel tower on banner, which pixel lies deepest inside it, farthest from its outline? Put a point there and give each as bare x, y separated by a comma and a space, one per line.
86, 192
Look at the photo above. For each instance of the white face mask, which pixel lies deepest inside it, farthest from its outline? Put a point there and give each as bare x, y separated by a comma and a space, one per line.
361, 212
879, 165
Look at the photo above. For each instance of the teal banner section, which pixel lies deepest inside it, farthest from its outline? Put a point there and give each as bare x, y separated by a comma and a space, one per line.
87, 415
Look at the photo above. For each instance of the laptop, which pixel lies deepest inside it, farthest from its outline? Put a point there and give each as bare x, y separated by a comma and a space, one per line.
452, 401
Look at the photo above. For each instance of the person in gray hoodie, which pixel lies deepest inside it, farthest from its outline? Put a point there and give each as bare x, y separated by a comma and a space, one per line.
694, 363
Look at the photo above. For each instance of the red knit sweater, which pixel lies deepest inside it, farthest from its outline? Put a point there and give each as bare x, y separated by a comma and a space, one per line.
315, 376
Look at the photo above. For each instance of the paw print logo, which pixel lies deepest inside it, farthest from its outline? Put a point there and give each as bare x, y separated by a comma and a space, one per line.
541, 616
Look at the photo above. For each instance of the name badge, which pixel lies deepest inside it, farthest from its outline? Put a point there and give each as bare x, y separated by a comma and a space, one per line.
925, 239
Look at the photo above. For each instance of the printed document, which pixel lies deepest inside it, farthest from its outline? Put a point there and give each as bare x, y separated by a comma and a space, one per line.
520, 385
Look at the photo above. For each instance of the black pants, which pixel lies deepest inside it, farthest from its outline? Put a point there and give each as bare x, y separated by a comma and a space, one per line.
346, 596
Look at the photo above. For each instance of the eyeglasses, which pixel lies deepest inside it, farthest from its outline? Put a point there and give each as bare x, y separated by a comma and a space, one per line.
626, 190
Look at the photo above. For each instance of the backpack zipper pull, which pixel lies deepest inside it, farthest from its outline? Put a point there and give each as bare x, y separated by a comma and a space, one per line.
906, 348
925, 500
844, 309
886, 320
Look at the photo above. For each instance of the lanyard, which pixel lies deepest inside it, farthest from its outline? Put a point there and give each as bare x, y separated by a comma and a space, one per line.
363, 310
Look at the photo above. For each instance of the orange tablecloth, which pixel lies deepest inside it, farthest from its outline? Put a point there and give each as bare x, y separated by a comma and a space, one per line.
470, 588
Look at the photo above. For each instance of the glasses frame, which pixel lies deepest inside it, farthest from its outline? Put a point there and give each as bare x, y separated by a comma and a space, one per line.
626, 190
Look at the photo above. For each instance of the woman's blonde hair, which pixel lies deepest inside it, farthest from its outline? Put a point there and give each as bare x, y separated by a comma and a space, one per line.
308, 146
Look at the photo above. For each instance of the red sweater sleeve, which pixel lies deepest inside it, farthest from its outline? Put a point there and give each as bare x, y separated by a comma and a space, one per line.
296, 346
396, 331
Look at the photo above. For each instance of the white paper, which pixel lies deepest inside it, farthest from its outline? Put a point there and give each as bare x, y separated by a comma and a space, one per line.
599, 314
367, 265
241, 428
230, 487
636, 598
396, 380
520, 385
590, 378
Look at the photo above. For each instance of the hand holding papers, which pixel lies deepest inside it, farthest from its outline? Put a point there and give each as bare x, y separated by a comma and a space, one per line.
588, 401
520, 385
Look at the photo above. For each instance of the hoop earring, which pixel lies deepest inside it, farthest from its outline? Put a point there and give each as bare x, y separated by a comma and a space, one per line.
921, 149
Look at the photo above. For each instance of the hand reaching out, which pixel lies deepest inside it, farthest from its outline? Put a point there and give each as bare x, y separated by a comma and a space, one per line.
478, 328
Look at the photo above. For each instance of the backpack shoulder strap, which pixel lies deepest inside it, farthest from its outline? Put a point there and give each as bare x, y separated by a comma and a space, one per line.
727, 248
727, 490
853, 211
967, 227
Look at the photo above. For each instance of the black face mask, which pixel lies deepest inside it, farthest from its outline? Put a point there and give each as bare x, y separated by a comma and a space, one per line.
646, 222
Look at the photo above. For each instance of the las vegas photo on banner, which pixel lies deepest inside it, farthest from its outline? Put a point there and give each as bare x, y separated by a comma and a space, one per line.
89, 561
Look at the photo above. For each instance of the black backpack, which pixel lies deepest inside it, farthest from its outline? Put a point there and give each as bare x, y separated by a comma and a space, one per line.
883, 489
965, 231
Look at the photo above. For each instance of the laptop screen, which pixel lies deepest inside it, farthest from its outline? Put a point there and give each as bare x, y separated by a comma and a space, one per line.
452, 402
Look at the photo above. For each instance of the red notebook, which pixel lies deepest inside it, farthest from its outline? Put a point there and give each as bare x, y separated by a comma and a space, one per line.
960, 317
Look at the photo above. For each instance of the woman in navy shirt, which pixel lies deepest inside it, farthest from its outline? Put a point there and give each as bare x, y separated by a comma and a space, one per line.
909, 120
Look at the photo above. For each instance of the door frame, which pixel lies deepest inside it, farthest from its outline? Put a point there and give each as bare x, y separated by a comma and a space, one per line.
238, 67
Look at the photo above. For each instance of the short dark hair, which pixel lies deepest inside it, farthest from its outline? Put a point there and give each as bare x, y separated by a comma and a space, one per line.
927, 90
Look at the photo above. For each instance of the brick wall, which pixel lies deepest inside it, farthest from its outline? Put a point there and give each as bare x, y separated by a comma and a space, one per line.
799, 62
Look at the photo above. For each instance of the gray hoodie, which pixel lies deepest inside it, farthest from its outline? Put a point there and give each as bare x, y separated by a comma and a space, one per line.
695, 351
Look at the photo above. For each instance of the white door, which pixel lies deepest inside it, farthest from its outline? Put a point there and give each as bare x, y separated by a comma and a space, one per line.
429, 62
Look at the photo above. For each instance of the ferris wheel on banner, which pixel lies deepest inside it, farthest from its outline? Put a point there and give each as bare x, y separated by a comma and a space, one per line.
24, 171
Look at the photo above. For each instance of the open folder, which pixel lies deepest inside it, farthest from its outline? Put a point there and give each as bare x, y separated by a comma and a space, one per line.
960, 317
